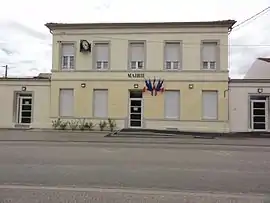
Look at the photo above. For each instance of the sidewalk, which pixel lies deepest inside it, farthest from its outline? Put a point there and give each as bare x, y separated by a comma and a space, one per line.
99, 137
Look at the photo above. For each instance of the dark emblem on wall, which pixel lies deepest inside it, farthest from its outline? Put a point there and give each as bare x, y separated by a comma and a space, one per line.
154, 86
85, 46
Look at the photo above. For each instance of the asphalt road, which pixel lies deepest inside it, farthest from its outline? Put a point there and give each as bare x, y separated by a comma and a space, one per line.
57, 172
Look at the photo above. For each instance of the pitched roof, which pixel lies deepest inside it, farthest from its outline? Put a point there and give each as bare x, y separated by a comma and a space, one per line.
221, 23
264, 59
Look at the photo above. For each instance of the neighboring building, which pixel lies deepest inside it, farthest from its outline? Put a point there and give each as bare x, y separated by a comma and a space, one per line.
25, 102
99, 71
260, 69
249, 99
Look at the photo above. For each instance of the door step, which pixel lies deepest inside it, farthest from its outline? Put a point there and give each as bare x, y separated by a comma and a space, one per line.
22, 126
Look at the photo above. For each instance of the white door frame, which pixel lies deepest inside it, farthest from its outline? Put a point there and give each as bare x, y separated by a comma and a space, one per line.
266, 114
20, 108
129, 112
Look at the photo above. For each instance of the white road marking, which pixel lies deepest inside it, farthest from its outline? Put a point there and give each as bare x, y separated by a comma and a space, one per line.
135, 191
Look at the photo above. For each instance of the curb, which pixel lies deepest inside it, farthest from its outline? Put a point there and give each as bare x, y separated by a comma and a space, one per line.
138, 142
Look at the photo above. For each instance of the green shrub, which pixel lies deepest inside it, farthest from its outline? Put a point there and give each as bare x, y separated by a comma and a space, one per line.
82, 124
73, 124
63, 125
89, 125
112, 124
56, 123
102, 125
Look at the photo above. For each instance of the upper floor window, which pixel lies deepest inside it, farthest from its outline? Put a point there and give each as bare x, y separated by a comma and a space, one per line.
68, 56
137, 55
209, 55
172, 55
101, 54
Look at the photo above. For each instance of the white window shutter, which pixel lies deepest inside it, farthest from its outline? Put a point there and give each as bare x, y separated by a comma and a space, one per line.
66, 102
68, 49
102, 52
210, 105
101, 103
209, 52
172, 52
172, 104
137, 52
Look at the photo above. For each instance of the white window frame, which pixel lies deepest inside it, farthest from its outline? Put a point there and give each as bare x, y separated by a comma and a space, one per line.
207, 117
136, 64
205, 64
64, 114
177, 117
171, 63
95, 113
101, 64
209, 65
69, 57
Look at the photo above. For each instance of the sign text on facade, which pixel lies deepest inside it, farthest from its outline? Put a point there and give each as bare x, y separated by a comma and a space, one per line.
136, 75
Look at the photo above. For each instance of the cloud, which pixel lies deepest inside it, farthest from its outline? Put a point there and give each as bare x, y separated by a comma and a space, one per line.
248, 43
23, 49
23, 36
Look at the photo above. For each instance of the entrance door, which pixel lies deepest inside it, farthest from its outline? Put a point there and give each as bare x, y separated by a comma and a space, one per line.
25, 110
259, 115
135, 109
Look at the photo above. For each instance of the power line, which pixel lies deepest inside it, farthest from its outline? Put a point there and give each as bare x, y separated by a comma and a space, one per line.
186, 44
254, 17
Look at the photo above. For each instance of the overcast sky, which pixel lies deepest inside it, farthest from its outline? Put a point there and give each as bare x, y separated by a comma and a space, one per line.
25, 42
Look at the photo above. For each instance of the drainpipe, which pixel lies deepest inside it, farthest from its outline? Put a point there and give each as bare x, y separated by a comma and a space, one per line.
228, 110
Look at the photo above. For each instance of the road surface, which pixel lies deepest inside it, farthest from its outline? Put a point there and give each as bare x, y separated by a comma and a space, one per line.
57, 172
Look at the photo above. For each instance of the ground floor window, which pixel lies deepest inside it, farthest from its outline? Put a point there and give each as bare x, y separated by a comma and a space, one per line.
100, 103
172, 104
66, 102
210, 105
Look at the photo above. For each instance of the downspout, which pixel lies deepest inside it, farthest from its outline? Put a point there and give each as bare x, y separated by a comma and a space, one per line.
228, 106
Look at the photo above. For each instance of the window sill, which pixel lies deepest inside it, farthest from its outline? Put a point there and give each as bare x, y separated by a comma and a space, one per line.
210, 70
136, 70
101, 69
67, 70
209, 119
101, 118
172, 119
172, 70
66, 117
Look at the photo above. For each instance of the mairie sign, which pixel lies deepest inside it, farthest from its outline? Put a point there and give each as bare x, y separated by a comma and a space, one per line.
136, 75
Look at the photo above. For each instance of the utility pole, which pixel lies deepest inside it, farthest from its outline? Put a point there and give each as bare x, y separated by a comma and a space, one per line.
6, 70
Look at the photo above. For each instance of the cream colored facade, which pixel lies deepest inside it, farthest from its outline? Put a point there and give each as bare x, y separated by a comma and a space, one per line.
116, 81
190, 81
